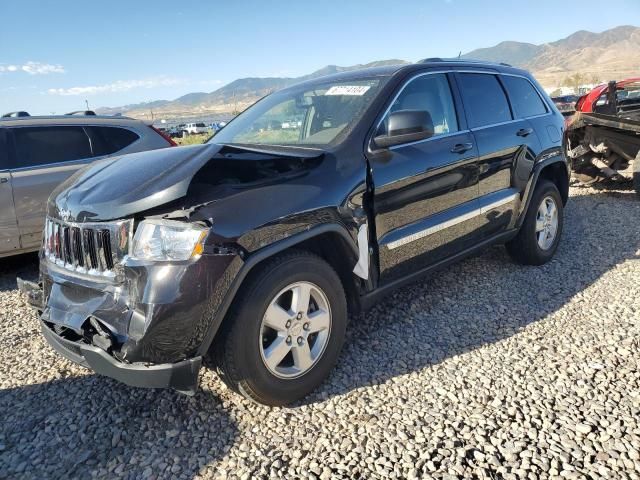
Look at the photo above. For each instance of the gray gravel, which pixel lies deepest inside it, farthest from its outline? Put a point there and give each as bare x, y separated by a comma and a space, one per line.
488, 370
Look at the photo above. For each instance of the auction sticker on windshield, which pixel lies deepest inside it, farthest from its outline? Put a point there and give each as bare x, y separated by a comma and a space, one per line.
348, 90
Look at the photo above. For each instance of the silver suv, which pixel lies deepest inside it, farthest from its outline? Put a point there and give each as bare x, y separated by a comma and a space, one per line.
39, 153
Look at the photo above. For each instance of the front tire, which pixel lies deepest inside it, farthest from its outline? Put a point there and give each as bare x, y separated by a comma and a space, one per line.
539, 236
285, 330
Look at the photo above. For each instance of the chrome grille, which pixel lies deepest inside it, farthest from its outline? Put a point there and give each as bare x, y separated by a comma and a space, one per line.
96, 248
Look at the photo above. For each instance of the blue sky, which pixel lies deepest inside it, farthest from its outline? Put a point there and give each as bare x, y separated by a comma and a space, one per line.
56, 54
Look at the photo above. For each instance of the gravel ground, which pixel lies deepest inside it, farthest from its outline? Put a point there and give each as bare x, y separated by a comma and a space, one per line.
488, 370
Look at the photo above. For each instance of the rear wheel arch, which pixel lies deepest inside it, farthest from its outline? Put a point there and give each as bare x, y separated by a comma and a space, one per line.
556, 173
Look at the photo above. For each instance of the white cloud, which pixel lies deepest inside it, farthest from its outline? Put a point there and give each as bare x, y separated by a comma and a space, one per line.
33, 68
117, 86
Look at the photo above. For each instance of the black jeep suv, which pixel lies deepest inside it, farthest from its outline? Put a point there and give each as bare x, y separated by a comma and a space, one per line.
310, 205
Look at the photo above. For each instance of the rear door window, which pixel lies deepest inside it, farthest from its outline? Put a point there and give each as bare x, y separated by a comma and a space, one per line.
524, 98
484, 99
108, 140
49, 145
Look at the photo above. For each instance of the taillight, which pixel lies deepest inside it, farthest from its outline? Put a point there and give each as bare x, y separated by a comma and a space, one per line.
164, 135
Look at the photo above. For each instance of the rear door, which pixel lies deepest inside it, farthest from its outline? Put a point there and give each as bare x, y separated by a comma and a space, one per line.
44, 157
425, 191
507, 148
9, 234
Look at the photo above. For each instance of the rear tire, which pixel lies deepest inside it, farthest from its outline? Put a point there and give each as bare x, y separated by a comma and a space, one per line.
539, 236
636, 174
285, 330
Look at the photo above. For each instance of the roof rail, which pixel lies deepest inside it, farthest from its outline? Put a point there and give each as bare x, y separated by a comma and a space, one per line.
19, 113
81, 112
465, 60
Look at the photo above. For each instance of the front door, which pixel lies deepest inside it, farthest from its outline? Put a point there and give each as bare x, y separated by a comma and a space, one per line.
426, 191
9, 235
45, 157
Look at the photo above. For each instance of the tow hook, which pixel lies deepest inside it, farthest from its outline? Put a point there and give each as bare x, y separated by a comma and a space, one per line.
101, 338
33, 291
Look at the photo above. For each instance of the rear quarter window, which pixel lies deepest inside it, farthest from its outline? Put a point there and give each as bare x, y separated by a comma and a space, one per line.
524, 98
4, 150
48, 145
108, 140
484, 99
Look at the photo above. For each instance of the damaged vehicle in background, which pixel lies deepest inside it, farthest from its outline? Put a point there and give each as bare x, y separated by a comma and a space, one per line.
256, 246
603, 138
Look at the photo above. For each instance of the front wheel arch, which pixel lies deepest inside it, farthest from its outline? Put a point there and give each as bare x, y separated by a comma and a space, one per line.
302, 240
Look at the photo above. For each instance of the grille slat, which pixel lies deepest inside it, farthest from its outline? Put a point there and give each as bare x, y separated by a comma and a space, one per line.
90, 257
100, 250
106, 246
78, 253
87, 248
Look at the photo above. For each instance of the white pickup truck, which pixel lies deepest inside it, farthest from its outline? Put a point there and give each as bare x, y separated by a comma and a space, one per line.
195, 128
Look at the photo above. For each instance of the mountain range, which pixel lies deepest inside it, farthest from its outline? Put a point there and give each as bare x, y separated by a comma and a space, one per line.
612, 54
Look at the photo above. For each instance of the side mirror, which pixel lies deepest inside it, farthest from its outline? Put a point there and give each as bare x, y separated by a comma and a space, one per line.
406, 126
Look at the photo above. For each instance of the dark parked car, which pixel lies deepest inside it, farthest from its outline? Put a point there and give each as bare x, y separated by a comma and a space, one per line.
256, 246
566, 104
38, 153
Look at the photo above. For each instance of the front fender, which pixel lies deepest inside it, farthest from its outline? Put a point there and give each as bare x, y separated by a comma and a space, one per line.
253, 259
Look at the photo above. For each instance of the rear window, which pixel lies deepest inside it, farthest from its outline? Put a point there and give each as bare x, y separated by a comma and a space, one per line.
484, 99
200, 125
524, 98
108, 140
45, 145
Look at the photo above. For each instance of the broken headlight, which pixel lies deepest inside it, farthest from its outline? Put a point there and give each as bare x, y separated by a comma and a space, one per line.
168, 240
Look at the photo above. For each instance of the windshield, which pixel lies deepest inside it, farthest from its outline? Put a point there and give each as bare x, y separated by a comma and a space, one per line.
319, 115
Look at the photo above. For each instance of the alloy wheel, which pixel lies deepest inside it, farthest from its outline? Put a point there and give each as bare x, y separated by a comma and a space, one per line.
547, 223
295, 330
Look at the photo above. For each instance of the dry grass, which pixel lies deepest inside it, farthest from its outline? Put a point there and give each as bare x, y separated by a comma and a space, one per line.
192, 139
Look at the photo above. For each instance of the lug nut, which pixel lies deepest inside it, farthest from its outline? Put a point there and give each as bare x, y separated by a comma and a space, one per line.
288, 323
288, 340
306, 326
299, 316
300, 341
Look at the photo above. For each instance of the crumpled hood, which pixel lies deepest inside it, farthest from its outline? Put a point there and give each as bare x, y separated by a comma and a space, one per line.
121, 186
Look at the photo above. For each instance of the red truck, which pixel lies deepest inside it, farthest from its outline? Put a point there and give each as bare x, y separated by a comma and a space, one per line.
603, 137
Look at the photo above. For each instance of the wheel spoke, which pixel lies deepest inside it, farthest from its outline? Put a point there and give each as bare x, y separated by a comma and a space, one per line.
539, 224
319, 320
276, 317
276, 352
301, 297
302, 357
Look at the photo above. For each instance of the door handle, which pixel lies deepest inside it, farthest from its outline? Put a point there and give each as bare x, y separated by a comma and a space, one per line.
4, 180
461, 147
524, 132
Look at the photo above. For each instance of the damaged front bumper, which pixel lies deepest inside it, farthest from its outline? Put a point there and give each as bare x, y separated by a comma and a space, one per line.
147, 329
181, 376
